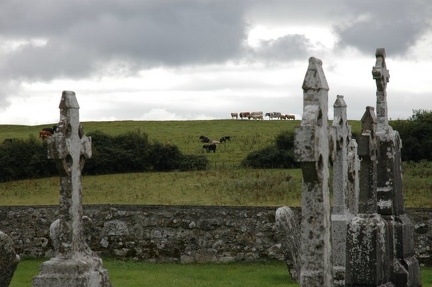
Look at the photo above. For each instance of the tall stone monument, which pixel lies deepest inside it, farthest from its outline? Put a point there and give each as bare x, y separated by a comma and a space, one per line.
74, 264
312, 151
367, 244
340, 213
404, 266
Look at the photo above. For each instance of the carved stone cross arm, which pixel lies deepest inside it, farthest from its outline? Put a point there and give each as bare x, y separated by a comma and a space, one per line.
69, 144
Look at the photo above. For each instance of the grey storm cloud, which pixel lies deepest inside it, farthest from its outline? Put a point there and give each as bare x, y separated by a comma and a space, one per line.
288, 47
78, 37
394, 24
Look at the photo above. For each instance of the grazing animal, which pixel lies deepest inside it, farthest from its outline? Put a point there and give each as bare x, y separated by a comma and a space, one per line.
273, 115
287, 117
51, 130
210, 147
256, 116
244, 115
204, 139
234, 115
224, 139
44, 134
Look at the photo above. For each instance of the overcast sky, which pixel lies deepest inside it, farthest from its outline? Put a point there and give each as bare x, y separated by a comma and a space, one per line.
203, 59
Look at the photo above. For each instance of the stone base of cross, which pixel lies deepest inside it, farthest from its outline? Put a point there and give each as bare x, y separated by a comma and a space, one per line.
80, 271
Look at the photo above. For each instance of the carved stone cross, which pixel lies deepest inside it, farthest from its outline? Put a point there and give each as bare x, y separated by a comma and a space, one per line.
381, 76
74, 263
69, 147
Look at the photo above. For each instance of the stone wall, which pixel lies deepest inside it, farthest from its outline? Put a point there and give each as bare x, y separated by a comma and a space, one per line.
174, 233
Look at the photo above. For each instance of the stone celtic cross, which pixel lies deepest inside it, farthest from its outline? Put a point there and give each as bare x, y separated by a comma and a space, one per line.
69, 147
74, 263
381, 76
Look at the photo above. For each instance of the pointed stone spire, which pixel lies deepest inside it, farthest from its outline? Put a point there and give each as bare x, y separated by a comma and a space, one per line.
312, 151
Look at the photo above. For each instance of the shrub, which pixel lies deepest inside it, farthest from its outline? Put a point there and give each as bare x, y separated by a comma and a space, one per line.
21, 159
281, 155
193, 162
416, 135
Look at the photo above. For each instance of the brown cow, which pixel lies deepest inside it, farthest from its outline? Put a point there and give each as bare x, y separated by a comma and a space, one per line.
244, 115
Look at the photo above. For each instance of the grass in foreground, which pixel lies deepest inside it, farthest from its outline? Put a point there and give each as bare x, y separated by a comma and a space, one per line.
139, 274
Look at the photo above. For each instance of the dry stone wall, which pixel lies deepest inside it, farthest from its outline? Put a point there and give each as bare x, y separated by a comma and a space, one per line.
175, 233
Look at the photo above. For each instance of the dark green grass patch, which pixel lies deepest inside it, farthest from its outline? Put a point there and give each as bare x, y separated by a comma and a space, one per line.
140, 274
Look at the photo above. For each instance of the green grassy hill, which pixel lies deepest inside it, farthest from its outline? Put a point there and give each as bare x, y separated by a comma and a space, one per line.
246, 135
225, 183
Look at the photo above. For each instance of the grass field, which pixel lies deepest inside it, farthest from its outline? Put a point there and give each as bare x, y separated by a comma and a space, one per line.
140, 274
223, 184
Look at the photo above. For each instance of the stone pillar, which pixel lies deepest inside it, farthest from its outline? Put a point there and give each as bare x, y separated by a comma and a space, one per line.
340, 213
288, 226
74, 264
312, 151
367, 249
405, 270
353, 177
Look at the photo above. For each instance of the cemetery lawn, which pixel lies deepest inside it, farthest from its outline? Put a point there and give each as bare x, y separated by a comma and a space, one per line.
137, 274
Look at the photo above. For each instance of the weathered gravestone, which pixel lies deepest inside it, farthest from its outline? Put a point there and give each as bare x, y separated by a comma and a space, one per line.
8, 259
288, 227
404, 267
367, 242
341, 196
312, 151
353, 177
74, 265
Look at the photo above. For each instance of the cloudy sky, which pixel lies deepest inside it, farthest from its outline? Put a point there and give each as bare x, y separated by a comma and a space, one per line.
203, 59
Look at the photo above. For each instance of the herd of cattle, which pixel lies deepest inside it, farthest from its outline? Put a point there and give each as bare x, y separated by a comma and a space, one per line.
210, 145
260, 116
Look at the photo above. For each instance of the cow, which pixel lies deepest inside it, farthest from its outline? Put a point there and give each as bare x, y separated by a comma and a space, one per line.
256, 116
287, 117
44, 134
204, 139
51, 130
244, 115
210, 147
273, 115
234, 115
224, 139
